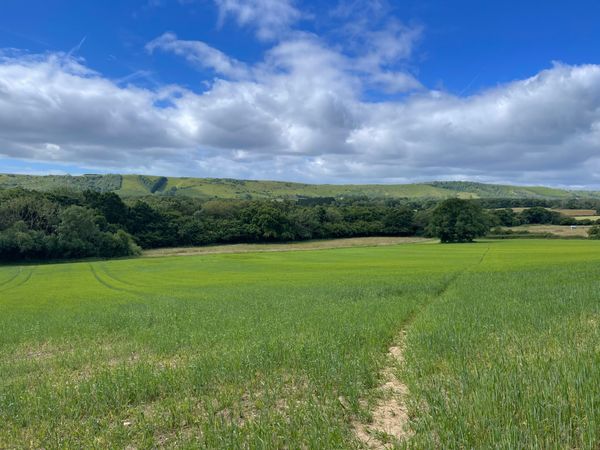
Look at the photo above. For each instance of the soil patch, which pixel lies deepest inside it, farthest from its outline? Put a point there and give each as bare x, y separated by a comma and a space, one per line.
390, 417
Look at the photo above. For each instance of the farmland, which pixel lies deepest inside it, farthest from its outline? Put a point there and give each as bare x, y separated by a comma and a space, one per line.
577, 214
287, 349
556, 230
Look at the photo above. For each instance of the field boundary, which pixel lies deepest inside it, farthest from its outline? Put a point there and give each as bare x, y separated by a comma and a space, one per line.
328, 244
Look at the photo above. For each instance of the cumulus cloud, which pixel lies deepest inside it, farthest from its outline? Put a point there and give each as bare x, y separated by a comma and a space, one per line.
300, 114
53, 108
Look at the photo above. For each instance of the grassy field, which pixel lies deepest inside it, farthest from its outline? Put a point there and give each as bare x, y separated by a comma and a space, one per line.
577, 213
585, 213
587, 217
287, 349
557, 230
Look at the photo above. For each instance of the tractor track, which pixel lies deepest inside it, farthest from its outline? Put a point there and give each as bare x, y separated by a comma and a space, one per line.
19, 283
110, 275
17, 273
108, 285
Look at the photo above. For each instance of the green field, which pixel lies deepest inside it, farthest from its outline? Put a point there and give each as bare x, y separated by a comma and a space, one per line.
132, 186
287, 349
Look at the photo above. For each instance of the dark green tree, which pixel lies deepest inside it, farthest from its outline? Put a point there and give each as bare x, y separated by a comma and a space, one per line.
399, 221
78, 232
456, 220
267, 220
594, 232
150, 227
505, 217
537, 214
79, 236
109, 204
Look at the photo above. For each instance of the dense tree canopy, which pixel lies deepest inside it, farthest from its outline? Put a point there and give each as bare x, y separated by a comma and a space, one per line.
34, 225
456, 220
70, 224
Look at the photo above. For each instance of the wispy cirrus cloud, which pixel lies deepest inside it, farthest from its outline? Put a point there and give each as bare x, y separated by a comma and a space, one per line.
268, 18
200, 54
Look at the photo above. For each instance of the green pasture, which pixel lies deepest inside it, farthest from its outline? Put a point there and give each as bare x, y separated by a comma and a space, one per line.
284, 350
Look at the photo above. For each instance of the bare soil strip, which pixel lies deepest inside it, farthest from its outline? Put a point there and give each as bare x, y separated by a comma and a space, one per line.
390, 417
308, 245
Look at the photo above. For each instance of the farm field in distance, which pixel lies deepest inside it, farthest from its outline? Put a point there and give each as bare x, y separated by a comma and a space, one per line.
283, 247
287, 349
577, 214
566, 212
557, 230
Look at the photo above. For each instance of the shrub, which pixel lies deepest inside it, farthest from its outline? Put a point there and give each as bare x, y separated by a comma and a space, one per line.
594, 232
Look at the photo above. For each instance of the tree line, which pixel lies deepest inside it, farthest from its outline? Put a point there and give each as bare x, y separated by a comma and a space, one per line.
67, 224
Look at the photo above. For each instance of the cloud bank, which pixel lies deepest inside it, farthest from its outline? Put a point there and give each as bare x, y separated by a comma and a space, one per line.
303, 112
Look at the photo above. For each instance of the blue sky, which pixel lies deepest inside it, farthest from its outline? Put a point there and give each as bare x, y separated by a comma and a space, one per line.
344, 91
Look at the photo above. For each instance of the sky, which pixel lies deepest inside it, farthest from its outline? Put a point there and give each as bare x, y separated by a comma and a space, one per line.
348, 91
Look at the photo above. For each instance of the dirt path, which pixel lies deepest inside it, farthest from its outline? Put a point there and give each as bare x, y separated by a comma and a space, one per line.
391, 424
308, 245
390, 417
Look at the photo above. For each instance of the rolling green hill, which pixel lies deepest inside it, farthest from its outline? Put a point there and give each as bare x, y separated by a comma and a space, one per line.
143, 185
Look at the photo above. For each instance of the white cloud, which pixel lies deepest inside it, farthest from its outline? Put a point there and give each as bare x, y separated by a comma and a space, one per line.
269, 18
380, 45
200, 54
53, 108
384, 51
300, 114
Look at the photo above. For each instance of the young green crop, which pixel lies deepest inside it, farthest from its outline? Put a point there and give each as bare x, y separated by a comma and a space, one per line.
509, 356
255, 350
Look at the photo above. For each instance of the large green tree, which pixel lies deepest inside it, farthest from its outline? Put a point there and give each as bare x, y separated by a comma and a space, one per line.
399, 221
456, 220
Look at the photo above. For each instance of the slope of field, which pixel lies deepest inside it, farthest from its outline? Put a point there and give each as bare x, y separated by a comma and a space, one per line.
286, 349
141, 185
286, 247
505, 191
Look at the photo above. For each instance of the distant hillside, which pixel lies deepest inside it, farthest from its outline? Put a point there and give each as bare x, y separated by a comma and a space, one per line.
102, 183
143, 185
